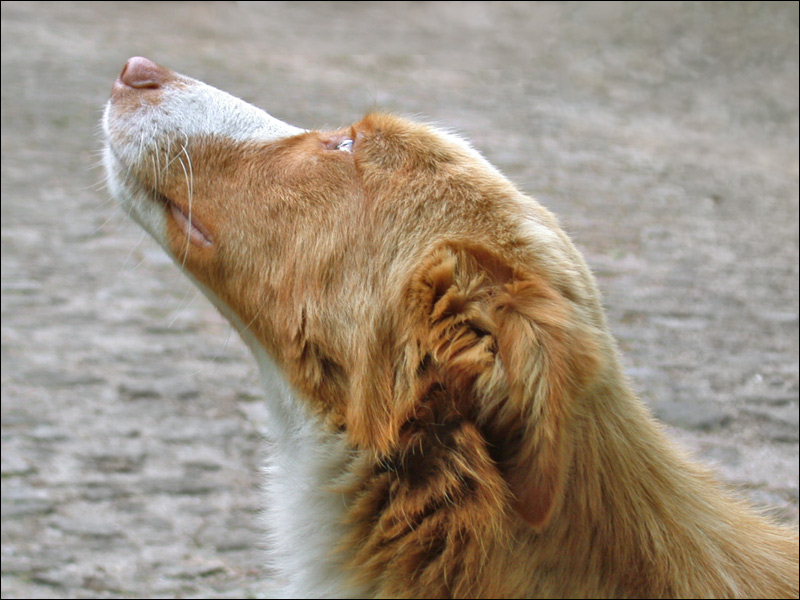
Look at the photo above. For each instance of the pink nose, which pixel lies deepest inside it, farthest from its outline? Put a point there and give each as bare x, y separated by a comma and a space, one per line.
141, 72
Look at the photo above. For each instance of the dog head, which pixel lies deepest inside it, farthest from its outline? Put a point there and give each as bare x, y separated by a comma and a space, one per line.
399, 281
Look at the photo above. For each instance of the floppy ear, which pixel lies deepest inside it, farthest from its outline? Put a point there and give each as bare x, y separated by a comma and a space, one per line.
502, 348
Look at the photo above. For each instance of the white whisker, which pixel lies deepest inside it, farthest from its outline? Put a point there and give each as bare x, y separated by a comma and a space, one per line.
142, 237
183, 304
186, 174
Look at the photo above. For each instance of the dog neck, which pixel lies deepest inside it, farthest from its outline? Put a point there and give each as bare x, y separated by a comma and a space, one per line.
305, 506
635, 509
639, 509
304, 459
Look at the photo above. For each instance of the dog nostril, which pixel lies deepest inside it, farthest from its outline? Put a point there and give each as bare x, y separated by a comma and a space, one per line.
141, 72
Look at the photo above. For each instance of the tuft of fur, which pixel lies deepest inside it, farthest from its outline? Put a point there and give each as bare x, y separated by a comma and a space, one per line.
454, 420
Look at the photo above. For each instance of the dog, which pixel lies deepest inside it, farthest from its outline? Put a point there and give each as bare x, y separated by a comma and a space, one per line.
450, 417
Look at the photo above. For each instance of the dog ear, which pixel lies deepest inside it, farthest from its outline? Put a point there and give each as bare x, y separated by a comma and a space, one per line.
503, 348
548, 356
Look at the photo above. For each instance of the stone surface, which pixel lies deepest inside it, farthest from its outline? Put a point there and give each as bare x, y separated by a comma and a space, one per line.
664, 135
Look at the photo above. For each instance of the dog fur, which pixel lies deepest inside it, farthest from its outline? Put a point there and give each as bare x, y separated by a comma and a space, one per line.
450, 417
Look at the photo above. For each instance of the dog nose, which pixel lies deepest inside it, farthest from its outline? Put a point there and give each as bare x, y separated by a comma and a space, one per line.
140, 72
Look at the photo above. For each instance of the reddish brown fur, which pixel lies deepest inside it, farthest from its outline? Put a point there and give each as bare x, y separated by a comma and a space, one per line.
446, 324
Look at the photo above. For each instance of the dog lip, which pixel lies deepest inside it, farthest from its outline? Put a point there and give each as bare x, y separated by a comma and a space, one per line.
195, 231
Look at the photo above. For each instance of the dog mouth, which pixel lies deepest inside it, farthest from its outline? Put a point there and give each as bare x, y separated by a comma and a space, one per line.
187, 221
189, 224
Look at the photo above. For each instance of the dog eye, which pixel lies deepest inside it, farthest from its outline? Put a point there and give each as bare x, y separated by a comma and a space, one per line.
345, 146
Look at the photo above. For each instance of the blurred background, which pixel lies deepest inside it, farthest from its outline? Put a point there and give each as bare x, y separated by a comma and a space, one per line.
664, 135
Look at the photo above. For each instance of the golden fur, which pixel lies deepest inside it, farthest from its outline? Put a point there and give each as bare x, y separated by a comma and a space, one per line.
445, 325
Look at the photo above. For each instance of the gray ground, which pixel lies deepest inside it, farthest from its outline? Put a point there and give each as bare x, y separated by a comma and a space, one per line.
665, 136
